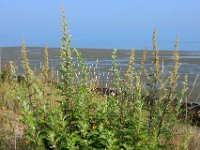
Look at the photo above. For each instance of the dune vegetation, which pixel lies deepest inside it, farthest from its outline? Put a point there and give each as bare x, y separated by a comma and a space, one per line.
40, 111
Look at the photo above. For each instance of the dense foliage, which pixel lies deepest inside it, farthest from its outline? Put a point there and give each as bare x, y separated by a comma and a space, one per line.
41, 112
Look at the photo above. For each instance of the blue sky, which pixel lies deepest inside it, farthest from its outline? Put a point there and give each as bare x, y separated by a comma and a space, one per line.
101, 23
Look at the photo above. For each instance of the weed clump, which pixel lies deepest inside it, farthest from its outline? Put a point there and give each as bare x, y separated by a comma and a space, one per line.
70, 114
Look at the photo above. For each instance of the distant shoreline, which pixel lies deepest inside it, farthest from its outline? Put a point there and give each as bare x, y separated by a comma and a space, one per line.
107, 49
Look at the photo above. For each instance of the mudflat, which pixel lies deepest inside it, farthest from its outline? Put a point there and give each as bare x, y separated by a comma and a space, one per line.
189, 62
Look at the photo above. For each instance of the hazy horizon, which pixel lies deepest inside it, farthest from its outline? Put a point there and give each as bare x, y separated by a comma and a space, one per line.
90, 48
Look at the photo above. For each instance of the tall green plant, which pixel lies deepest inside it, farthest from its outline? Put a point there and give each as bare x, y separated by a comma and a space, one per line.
153, 94
29, 75
45, 67
66, 67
